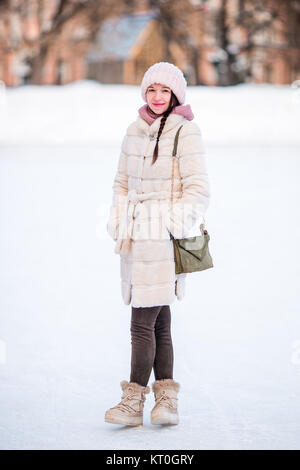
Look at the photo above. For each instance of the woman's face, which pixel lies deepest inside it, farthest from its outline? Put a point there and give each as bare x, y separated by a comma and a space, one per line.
158, 97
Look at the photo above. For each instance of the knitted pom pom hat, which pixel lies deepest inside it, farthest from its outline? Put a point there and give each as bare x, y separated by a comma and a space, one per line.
167, 74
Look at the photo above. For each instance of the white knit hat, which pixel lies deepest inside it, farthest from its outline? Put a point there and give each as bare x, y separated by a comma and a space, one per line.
167, 74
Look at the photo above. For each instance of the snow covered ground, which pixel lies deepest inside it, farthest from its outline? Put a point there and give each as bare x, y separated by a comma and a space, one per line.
64, 330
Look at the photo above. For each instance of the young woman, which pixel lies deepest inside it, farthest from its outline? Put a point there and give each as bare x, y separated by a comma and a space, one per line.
143, 216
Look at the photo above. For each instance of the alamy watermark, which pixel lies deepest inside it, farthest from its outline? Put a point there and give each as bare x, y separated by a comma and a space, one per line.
149, 221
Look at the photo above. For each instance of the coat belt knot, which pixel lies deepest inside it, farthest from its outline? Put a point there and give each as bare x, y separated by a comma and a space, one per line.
123, 245
134, 197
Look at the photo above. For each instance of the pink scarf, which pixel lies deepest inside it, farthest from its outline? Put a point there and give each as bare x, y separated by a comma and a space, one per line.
149, 116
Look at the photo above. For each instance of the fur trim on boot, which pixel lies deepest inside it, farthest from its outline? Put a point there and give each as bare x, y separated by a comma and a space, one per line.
129, 410
165, 408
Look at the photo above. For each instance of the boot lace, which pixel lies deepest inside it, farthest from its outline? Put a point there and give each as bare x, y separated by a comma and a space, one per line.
126, 407
166, 400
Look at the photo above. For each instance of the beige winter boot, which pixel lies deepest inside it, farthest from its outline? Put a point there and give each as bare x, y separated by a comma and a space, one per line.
165, 408
129, 410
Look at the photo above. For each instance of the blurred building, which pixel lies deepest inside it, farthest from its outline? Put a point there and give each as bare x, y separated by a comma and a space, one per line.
125, 47
136, 41
272, 53
219, 50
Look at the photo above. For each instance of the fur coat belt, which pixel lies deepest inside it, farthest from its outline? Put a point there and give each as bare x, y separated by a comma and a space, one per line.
124, 239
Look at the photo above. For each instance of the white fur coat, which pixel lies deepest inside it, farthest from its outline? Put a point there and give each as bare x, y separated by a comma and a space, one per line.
141, 217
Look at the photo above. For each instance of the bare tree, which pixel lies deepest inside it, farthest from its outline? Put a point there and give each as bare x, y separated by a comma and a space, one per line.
228, 73
175, 16
89, 12
268, 16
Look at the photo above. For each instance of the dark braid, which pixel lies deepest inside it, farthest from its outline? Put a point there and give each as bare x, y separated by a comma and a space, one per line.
173, 102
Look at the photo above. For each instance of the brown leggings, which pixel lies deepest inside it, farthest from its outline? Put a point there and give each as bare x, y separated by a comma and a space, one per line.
151, 344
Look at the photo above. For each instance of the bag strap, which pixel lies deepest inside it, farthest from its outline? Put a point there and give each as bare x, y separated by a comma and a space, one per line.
173, 158
202, 225
176, 142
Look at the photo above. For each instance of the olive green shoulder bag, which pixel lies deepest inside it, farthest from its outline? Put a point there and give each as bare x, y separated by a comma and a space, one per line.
190, 254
